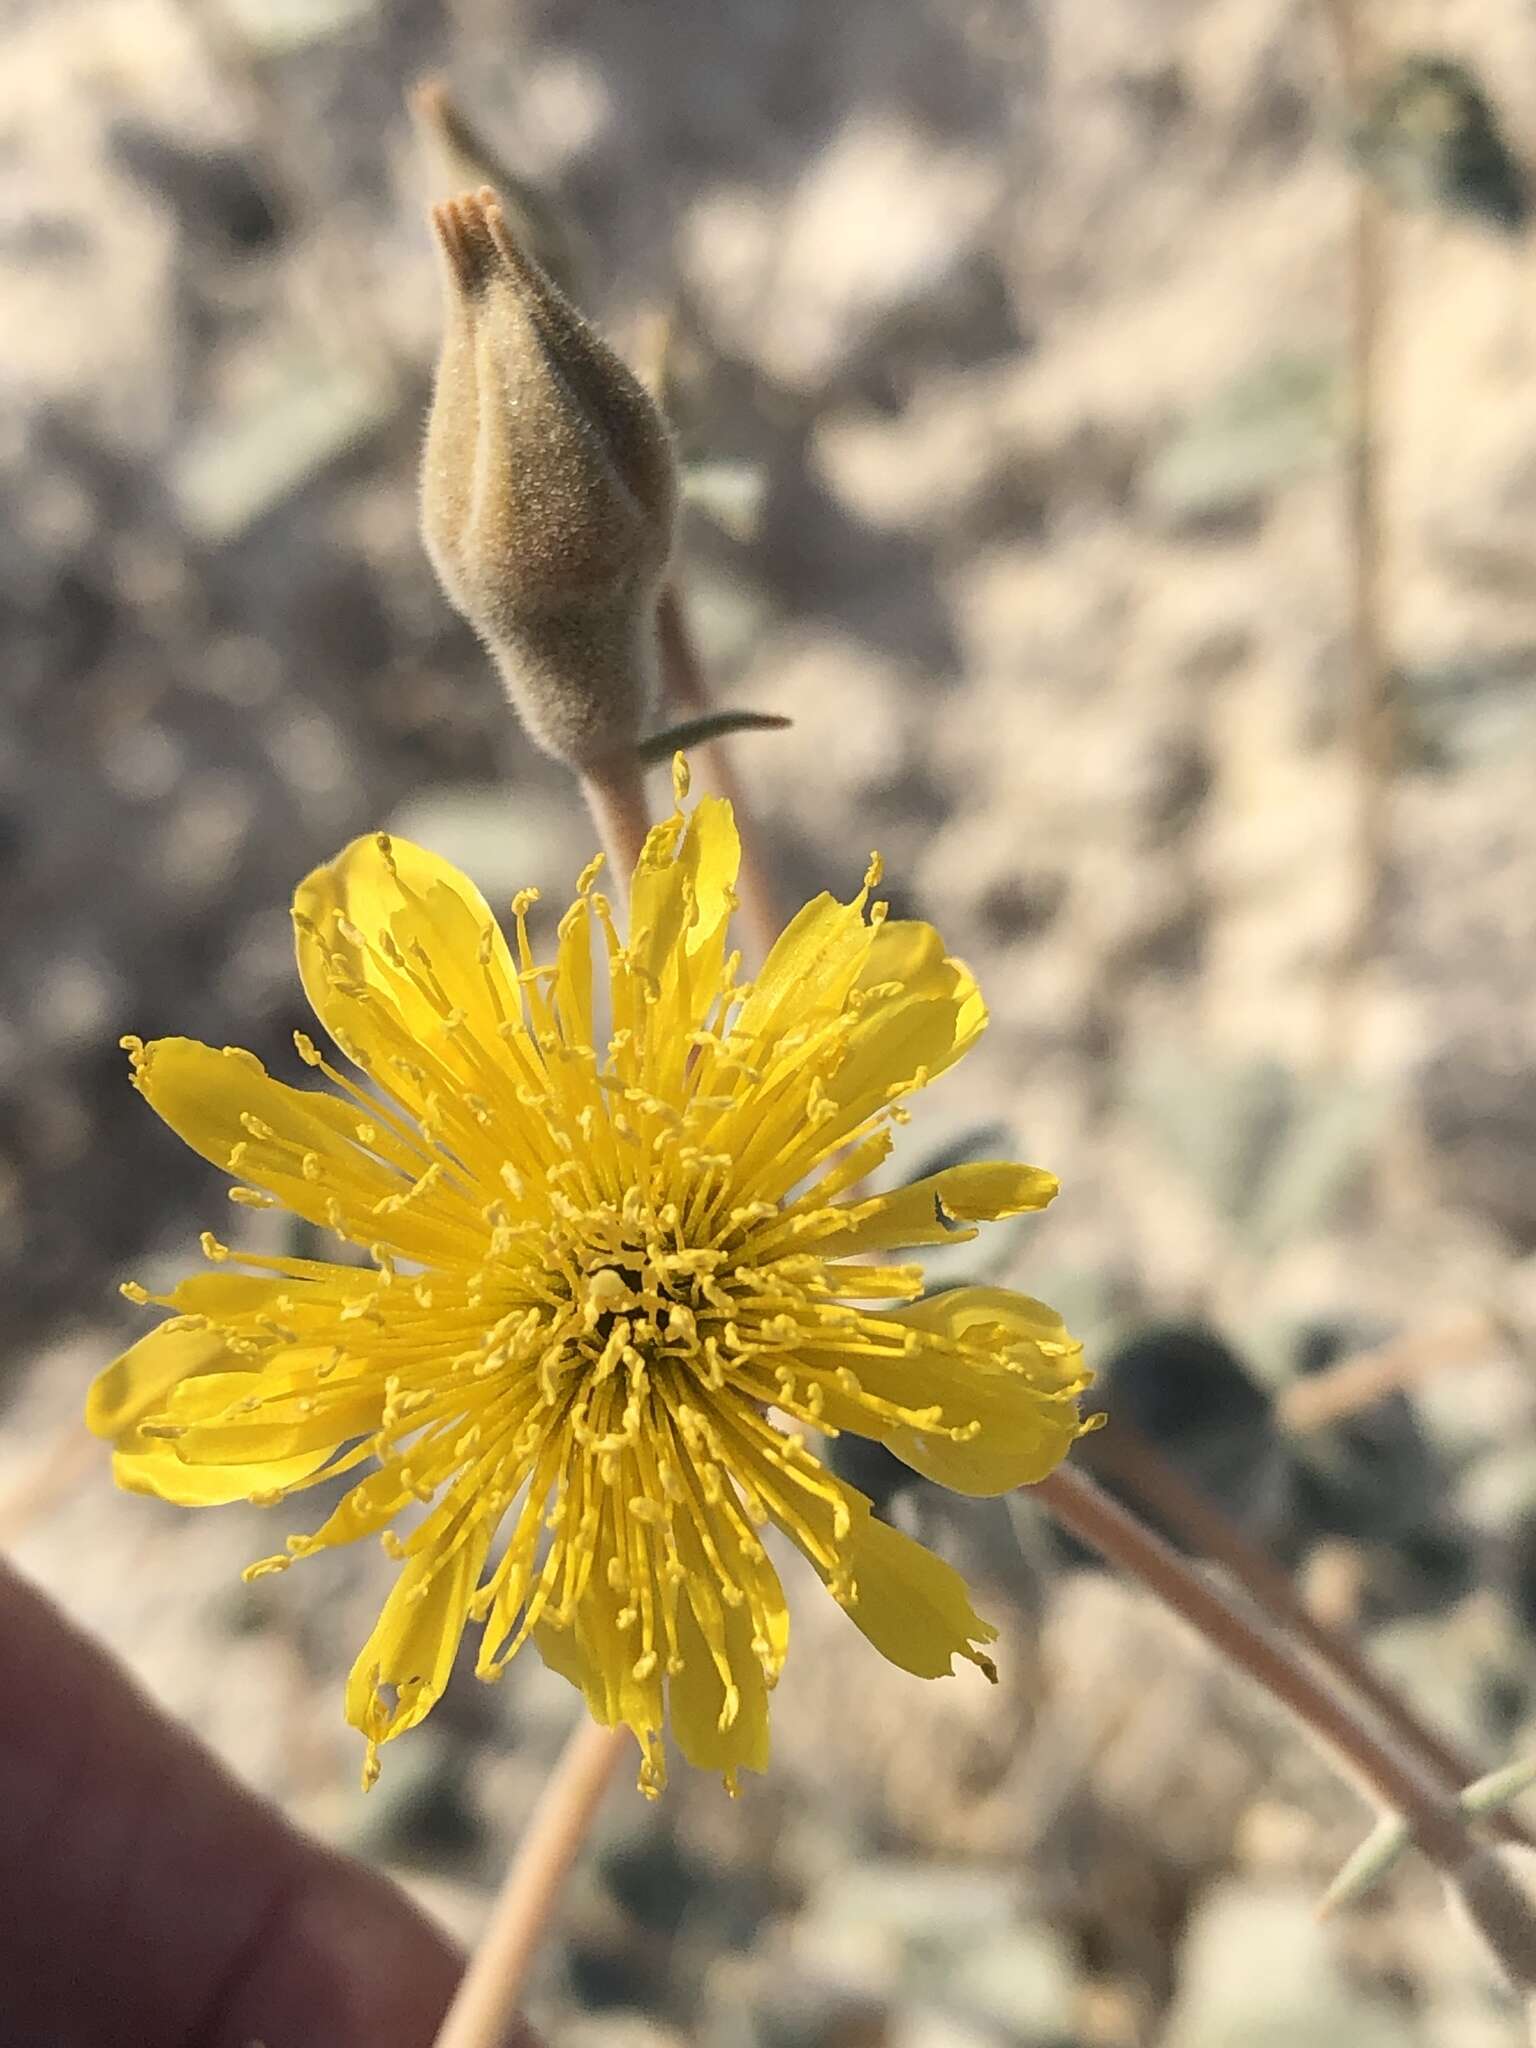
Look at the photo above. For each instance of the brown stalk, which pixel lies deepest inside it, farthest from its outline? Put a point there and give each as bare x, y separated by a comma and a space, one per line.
1369, 1376
1370, 721
683, 683
1394, 1776
485, 2006
615, 794
1124, 1455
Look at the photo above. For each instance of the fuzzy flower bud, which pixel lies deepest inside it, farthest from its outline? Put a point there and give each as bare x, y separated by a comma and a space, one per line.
459, 158
548, 493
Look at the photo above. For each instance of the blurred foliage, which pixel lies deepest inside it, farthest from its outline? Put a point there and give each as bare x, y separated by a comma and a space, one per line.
1434, 139
1273, 421
1275, 1152
1474, 707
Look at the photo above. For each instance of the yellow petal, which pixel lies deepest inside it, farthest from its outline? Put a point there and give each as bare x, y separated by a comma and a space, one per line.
405, 1664
898, 1043
140, 1381
810, 970
679, 909
280, 1426
573, 975
363, 1510
388, 888
1019, 1380
150, 1465
445, 1013
927, 1211
714, 849
598, 1658
696, 1696
683, 883
226, 1297
563, 1652
570, 1653
912, 1606
911, 954
228, 1108
907, 951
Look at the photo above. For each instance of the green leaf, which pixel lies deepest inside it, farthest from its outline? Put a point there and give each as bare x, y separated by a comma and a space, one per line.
1433, 138
697, 732
1390, 1837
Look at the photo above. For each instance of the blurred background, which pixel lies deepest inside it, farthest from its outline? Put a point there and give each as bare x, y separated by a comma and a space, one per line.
1022, 356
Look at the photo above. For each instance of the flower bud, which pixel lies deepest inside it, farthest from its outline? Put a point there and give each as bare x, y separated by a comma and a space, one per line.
548, 493
458, 157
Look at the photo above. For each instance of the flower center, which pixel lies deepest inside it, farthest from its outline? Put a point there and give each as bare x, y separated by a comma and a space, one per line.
627, 1293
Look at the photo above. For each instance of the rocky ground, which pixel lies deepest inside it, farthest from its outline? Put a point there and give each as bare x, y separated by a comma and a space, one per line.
1008, 348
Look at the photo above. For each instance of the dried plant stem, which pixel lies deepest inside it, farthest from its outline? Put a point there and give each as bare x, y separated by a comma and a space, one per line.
685, 685
50, 1482
1342, 1390
1496, 1892
485, 2006
1124, 1455
615, 793
1395, 1778
1418, 1781
1370, 712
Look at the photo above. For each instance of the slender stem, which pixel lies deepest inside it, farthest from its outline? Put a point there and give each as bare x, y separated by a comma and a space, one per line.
685, 684
1497, 1895
1431, 1815
485, 2006
615, 793
488, 1997
1125, 1455
52, 1480
1343, 1389
1410, 1781
1370, 714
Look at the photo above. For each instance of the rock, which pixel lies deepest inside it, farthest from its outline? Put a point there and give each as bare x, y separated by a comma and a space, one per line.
920, 1903
242, 464
1244, 441
504, 839
937, 2026
760, 2002
1259, 1972
279, 27
902, 212
619, 2030
1023, 1983
421, 1811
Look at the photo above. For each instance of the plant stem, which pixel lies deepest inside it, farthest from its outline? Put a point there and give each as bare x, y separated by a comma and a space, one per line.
1418, 1781
615, 793
485, 2006
1126, 1456
1397, 1780
684, 681
487, 1999
1370, 711
1343, 1389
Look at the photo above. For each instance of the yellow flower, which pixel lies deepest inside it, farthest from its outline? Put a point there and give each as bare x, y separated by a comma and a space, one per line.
619, 1265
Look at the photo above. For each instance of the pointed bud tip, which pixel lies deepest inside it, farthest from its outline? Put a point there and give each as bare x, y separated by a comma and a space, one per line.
427, 99
549, 490
471, 233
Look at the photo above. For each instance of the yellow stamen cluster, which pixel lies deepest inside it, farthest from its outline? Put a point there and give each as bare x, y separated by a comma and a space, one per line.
617, 1268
